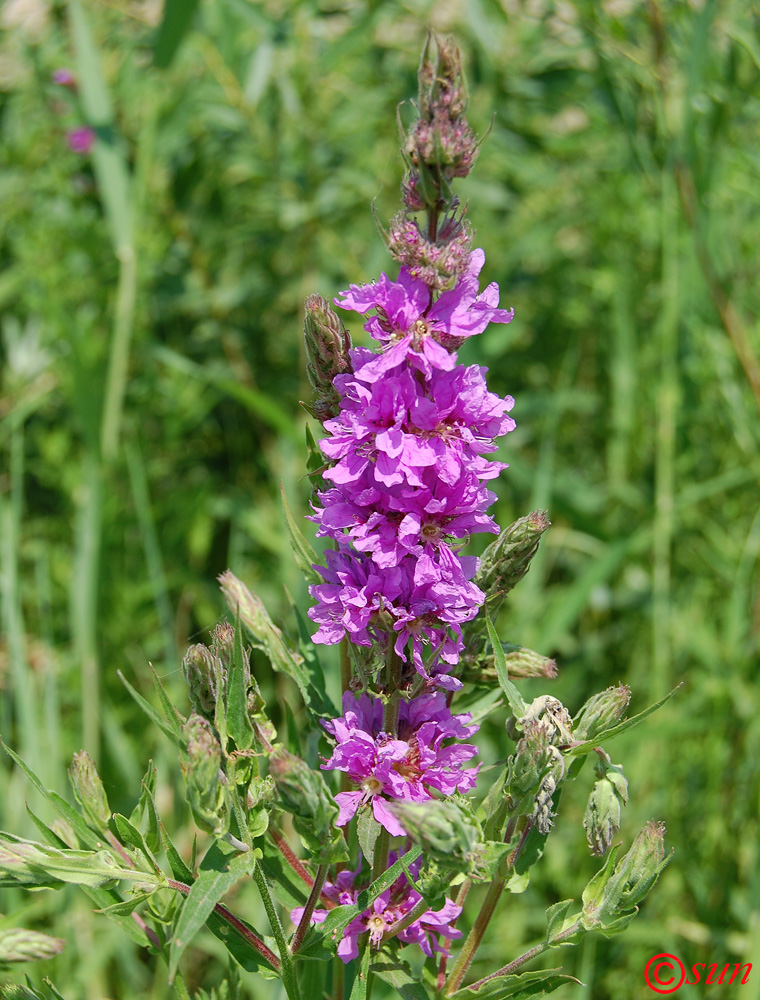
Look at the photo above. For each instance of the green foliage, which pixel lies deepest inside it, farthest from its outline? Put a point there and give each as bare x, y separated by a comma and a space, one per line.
151, 370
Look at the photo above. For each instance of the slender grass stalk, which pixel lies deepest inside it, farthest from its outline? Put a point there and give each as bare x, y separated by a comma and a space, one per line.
84, 598
118, 360
667, 404
152, 548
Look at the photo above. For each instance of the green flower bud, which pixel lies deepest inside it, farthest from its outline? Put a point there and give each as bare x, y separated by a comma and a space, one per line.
206, 679
521, 662
89, 791
506, 560
223, 644
205, 793
20, 945
327, 346
601, 712
303, 792
610, 900
533, 773
445, 831
602, 817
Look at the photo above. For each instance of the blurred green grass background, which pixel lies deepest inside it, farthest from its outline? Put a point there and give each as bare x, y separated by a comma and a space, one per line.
151, 307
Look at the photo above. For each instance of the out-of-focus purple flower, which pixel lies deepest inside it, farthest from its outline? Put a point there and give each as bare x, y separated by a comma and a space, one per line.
411, 325
407, 767
64, 78
81, 140
389, 907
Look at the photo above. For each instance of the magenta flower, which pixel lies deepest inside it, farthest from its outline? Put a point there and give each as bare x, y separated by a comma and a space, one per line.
81, 140
413, 327
64, 78
404, 768
389, 907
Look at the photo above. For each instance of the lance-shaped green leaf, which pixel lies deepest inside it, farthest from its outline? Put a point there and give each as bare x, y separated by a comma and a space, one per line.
514, 697
85, 836
305, 555
146, 809
176, 22
220, 869
128, 834
338, 919
399, 976
528, 985
31, 865
557, 919
239, 725
169, 726
578, 749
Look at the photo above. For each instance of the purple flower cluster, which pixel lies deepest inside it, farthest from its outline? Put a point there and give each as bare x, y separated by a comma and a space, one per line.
406, 767
389, 907
409, 470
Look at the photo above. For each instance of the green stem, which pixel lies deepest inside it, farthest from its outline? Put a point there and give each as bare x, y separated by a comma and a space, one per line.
464, 891
477, 933
475, 936
287, 968
382, 850
311, 902
531, 953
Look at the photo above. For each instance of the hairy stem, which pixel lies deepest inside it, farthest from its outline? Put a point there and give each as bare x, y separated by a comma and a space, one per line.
237, 925
531, 953
311, 903
483, 919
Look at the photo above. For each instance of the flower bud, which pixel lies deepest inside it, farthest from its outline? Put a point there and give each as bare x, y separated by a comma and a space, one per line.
521, 662
602, 711
439, 263
443, 829
205, 794
611, 898
441, 139
506, 560
327, 346
89, 791
206, 679
602, 817
533, 773
20, 945
303, 792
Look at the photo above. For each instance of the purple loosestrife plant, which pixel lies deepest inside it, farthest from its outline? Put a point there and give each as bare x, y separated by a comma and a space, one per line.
395, 818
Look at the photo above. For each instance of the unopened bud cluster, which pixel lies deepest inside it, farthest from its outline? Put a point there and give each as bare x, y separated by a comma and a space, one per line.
327, 345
